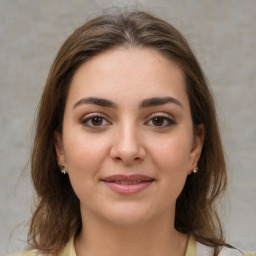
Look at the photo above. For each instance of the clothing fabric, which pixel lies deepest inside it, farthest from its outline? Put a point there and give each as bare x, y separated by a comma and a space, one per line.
194, 248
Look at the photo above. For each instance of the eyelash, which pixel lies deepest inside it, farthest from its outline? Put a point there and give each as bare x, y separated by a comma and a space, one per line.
165, 118
89, 118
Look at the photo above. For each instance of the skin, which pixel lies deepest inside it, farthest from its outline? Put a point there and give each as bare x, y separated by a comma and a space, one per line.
128, 139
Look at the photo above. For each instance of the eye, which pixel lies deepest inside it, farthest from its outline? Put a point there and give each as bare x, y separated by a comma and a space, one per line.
160, 121
94, 120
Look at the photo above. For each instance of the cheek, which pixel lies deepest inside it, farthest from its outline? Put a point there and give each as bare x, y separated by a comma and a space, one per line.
84, 153
84, 157
172, 159
172, 154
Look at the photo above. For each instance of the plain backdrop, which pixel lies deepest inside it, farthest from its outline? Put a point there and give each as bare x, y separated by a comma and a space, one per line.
222, 35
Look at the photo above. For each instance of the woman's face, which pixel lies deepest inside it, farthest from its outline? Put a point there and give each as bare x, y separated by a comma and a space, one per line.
128, 142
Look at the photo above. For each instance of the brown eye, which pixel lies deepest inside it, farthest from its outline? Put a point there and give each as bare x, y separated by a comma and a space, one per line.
158, 121
94, 120
97, 121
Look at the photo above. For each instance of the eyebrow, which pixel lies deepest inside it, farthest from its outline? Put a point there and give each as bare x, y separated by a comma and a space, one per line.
155, 101
96, 101
159, 101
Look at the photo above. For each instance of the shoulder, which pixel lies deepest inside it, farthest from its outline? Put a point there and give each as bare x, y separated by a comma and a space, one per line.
203, 250
25, 253
234, 252
69, 250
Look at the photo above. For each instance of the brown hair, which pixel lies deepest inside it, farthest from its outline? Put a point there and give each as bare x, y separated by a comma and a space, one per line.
57, 214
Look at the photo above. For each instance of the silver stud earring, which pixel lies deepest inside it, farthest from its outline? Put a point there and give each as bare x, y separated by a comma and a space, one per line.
62, 169
195, 169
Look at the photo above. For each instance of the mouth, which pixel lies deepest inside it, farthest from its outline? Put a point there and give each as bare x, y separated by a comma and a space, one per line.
127, 185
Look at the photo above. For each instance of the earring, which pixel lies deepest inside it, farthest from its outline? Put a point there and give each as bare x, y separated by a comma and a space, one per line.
62, 169
195, 169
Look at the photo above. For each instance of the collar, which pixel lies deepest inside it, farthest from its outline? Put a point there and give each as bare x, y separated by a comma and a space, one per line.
69, 249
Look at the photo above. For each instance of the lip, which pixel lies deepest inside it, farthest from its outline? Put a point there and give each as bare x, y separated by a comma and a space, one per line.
128, 184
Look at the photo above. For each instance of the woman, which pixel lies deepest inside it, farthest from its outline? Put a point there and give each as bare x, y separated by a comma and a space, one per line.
127, 157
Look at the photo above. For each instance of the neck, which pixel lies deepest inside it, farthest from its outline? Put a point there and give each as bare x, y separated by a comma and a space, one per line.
154, 237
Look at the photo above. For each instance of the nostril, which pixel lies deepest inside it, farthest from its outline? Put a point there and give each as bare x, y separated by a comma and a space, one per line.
117, 159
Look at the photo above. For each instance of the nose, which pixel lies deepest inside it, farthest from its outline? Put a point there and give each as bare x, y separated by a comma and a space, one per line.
128, 146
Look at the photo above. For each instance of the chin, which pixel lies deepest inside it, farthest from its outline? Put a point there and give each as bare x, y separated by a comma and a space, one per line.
128, 220
129, 216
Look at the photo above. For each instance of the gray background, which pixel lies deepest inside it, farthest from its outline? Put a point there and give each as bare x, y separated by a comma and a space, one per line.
222, 34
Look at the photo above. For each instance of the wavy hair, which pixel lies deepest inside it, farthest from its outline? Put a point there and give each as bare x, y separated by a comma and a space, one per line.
56, 217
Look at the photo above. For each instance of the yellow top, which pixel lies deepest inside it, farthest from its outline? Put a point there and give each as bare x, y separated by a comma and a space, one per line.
69, 250
191, 247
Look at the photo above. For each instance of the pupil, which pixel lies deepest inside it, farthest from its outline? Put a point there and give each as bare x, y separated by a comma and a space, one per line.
97, 121
158, 121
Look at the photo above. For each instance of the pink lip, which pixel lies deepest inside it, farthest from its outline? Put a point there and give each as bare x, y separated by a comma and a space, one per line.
114, 183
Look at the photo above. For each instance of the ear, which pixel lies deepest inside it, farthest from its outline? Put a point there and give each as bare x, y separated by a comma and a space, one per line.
60, 153
197, 146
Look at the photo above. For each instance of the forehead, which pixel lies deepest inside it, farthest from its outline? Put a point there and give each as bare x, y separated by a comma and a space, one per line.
129, 73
